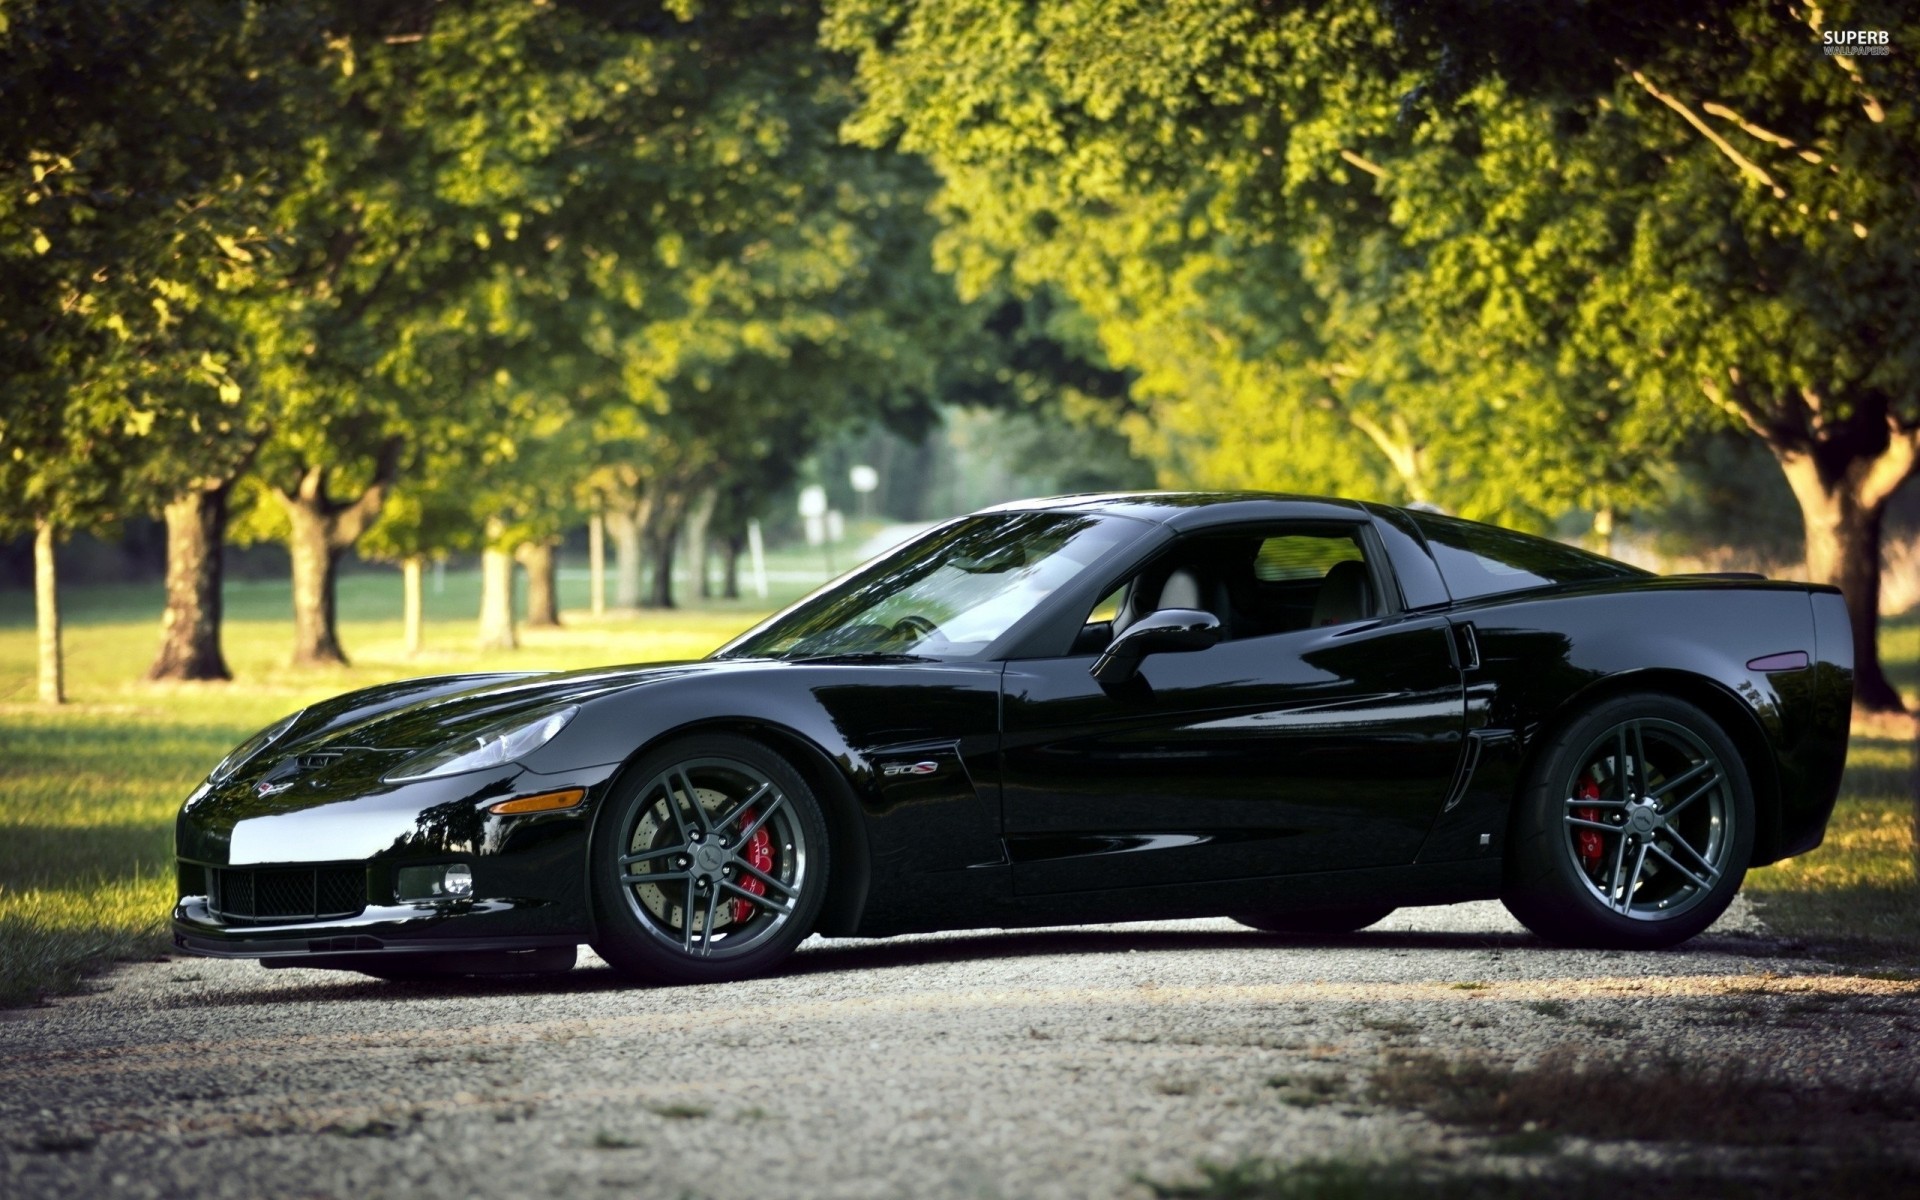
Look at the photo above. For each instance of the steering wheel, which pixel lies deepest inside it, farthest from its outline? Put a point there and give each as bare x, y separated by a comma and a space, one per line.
912, 627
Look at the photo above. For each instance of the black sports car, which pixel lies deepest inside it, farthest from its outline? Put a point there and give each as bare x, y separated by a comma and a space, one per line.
1297, 712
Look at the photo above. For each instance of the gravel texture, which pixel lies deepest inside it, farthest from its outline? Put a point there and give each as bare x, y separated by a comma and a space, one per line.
1059, 1063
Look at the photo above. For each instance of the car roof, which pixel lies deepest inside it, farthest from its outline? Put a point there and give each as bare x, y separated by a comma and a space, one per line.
1193, 510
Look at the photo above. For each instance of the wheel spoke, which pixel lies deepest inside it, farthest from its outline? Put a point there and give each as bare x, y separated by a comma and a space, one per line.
1618, 877
1639, 861
1683, 777
760, 820
706, 930
1583, 823
748, 868
766, 902
1675, 863
733, 814
686, 921
1712, 871
673, 806
1620, 760
1640, 754
628, 860
693, 801
1698, 792
655, 878
1581, 802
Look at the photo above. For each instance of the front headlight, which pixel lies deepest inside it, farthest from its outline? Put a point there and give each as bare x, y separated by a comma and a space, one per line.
496, 744
240, 755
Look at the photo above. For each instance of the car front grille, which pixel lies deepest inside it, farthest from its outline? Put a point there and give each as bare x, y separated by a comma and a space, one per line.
260, 894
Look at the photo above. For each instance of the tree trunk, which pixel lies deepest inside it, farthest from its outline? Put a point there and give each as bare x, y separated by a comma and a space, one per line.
412, 568
321, 530
597, 565
730, 585
699, 521
1843, 512
543, 593
666, 511
46, 613
190, 626
496, 593
625, 526
316, 633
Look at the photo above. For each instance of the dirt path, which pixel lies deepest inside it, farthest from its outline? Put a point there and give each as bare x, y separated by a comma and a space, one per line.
1062, 1063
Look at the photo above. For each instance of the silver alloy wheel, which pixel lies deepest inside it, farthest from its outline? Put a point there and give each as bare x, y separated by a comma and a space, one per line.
687, 870
1649, 819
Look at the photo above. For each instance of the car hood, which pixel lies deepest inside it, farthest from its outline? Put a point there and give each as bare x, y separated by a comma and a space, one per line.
417, 715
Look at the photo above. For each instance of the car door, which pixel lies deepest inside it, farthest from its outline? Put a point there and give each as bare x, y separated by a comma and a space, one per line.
1279, 750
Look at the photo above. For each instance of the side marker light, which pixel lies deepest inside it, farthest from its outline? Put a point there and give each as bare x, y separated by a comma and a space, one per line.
544, 802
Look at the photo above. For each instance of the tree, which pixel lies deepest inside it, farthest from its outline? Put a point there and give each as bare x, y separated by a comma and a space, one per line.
1761, 261
131, 156
1199, 180
1515, 253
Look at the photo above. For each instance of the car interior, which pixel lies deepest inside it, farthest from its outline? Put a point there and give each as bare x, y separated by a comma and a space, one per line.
1257, 583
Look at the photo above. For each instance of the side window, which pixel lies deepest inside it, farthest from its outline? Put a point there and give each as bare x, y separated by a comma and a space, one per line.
1258, 582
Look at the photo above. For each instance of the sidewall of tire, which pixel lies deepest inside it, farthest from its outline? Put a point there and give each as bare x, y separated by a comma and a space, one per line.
636, 953
1545, 890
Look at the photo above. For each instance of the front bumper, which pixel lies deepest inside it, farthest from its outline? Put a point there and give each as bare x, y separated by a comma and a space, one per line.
529, 872
470, 926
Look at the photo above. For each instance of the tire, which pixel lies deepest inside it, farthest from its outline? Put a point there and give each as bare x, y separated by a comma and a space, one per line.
1322, 922
1638, 858
729, 903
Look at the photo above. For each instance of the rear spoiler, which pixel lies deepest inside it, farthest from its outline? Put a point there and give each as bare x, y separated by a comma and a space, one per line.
1718, 575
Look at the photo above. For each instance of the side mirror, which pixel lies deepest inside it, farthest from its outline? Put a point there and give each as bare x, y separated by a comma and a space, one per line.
1168, 631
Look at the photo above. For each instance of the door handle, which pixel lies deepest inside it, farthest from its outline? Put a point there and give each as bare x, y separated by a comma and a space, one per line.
1466, 646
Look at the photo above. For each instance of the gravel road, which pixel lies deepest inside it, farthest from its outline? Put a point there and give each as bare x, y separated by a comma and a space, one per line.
1065, 1063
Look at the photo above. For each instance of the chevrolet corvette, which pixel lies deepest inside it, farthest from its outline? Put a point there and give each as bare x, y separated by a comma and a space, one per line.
1296, 712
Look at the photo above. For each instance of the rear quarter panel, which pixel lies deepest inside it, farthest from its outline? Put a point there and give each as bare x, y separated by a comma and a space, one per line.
1544, 658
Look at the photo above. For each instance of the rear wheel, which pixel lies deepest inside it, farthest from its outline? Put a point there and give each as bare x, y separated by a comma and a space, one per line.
710, 863
1635, 830
1326, 921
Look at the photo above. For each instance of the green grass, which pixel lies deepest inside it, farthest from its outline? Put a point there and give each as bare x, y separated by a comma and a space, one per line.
88, 792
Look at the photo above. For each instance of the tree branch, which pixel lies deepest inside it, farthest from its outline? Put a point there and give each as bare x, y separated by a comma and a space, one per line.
1716, 109
352, 519
1370, 167
1747, 166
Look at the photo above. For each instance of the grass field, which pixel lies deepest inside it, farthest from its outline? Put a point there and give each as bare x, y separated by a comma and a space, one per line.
88, 792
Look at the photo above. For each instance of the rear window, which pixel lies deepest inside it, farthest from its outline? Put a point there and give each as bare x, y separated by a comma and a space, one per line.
1485, 560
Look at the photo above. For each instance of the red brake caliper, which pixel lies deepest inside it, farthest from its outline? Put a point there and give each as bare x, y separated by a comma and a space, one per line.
1587, 841
759, 852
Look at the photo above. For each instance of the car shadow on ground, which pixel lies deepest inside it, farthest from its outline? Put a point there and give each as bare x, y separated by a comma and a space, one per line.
985, 946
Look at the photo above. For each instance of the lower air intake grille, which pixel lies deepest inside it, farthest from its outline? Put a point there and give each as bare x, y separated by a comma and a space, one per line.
286, 893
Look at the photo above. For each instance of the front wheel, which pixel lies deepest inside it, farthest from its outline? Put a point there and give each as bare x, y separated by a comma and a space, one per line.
1635, 829
710, 863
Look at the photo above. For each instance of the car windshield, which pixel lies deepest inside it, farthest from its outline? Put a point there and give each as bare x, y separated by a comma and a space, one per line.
949, 594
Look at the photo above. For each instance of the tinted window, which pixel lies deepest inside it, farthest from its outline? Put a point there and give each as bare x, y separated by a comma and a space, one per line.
948, 594
1301, 556
1485, 560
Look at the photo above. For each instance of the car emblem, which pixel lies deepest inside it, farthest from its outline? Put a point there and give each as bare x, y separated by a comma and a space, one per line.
269, 788
919, 768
